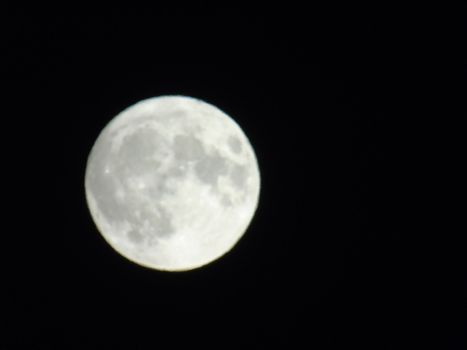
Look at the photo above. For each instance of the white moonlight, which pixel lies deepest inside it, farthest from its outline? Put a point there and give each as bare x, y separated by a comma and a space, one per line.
172, 183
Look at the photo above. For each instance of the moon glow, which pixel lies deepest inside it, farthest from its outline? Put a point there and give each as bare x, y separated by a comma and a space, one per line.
172, 183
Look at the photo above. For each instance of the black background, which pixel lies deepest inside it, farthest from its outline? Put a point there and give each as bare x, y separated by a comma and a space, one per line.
325, 95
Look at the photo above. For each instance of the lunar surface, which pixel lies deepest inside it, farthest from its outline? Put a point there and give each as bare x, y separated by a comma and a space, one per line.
172, 183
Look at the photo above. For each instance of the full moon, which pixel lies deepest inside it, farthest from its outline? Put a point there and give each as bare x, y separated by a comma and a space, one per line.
172, 183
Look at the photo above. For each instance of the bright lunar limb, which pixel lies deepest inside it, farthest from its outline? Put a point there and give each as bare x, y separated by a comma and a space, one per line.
172, 183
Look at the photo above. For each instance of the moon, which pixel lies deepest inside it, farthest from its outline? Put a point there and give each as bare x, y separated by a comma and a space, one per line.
172, 183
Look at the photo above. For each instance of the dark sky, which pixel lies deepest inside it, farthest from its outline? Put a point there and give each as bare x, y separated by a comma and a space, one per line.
325, 95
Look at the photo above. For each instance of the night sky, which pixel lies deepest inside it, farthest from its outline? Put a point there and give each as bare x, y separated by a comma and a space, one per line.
325, 95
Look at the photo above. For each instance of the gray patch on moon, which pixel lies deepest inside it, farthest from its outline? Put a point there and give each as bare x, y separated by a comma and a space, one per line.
162, 187
226, 201
136, 153
113, 196
175, 171
149, 226
187, 148
135, 237
234, 144
104, 189
162, 222
158, 219
172, 115
239, 175
209, 168
116, 210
